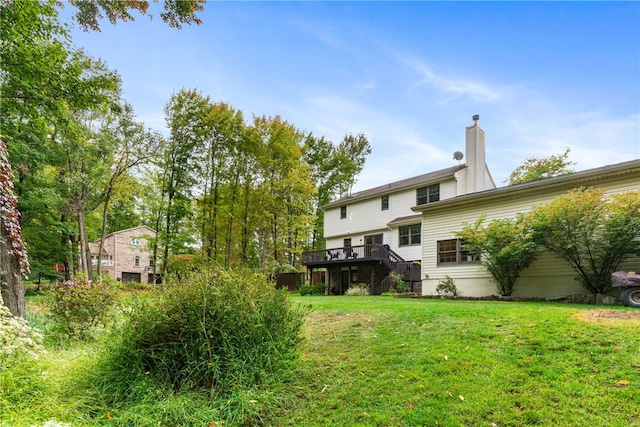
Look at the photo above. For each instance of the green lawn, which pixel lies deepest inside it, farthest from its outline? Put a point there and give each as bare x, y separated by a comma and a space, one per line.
376, 361
382, 361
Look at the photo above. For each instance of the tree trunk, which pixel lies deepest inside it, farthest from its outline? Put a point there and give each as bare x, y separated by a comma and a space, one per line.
11, 284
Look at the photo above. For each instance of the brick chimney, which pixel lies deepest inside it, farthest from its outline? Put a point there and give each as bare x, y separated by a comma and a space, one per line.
475, 153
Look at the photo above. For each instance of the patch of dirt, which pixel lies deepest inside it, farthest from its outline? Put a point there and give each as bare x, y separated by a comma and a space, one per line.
601, 315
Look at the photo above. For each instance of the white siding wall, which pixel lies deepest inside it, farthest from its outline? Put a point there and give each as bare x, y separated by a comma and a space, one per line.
547, 277
365, 217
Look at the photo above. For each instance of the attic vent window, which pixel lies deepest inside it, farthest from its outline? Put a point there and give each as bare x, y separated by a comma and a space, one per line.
428, 194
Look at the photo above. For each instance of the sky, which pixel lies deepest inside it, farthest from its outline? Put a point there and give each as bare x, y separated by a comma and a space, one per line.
543, 76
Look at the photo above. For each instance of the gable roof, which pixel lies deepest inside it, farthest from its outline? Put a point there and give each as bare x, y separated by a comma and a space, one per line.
397, 186
568, 181
148, 229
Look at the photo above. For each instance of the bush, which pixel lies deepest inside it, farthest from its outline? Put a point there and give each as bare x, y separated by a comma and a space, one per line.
358, 289
213, 329
399, 286
315, 289
447, 287
79, 305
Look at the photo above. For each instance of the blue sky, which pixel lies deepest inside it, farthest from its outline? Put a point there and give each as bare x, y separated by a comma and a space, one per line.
543, 76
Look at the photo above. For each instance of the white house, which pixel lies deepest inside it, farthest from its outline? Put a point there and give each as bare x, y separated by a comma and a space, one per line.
548, 276
374, 232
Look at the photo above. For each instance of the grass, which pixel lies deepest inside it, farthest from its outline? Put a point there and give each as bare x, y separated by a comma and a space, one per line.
374, 361
397, 362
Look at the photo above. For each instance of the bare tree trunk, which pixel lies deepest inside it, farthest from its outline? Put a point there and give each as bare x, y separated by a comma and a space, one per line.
85, 250
11, 284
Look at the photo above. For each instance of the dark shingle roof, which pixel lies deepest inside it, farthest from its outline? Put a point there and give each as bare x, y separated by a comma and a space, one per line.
397, 185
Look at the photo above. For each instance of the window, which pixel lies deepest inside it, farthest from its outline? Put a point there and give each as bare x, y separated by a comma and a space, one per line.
135, 241
385, 202
347, 242
453, 252
409, 235
343, 212
428, 194
136, 261
151, 262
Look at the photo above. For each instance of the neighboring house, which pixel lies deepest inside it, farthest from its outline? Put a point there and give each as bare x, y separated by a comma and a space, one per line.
126, 255
548, 276
374, 232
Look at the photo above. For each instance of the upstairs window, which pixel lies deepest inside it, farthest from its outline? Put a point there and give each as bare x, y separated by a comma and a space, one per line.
384, 202
428, 194
453, 252
135, 241
343, 212
136, 261
409, 235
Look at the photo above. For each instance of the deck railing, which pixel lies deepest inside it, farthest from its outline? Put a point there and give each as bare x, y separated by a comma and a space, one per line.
370, 252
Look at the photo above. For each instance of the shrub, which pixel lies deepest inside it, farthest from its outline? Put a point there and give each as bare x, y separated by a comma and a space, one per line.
505, 248
593, 232
358, 289
79, 305
399, 286
447, 287
213, 329
315, 289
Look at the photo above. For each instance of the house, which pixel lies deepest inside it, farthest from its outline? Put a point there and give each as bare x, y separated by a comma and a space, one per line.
375, 232
548, 276
126, 255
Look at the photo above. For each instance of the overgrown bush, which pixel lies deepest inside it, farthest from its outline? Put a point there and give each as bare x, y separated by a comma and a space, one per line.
218, 330
447, 287
358, 289
315, 289
79, 305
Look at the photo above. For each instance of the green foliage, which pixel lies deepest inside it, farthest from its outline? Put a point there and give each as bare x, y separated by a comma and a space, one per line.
533, 168
314, 289
181, 264
447, 287
213, 329
79, 305
176, 12
398, 286
592, 232
504, 246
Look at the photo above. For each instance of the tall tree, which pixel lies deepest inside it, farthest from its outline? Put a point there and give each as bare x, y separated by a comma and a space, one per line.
129, 147
185, 115
13, 254
537, 168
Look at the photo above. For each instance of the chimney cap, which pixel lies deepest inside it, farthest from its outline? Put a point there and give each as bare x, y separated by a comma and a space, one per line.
476, 117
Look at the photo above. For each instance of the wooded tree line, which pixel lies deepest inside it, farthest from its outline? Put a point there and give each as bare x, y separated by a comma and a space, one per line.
231, 190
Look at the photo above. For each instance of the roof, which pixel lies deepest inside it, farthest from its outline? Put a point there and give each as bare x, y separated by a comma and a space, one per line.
405, 219
568, 181
148, 229
397, 185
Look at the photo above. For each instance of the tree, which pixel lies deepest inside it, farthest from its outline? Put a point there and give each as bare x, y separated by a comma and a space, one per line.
505, 248
176, 12
592, 232
333, 170
13, 254
129, 146
533, 168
